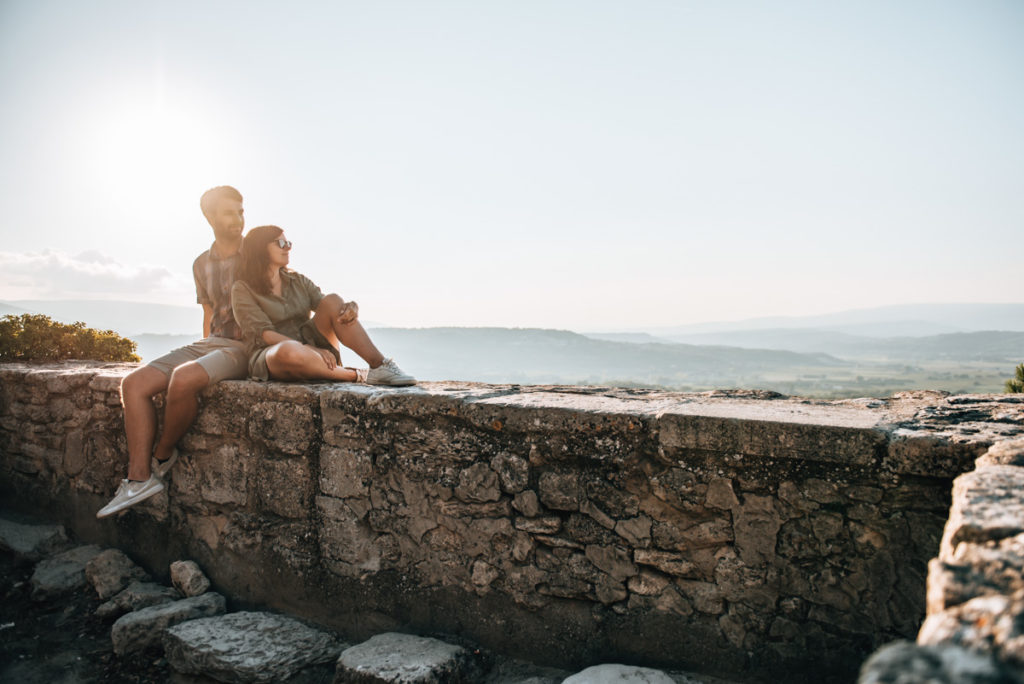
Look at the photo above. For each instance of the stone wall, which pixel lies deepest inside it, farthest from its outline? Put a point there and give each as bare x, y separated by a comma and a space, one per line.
743, 534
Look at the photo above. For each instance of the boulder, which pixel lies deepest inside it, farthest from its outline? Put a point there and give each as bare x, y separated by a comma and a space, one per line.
247, 647
62, 573
31, 542
188, 578
619, 674
142, 628
110, 571
904, 662
394, 658
135, 596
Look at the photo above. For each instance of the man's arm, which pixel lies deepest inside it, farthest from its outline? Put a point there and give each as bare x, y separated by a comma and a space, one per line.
207, 319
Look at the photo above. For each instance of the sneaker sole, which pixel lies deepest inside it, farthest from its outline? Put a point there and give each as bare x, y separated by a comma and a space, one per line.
105, 512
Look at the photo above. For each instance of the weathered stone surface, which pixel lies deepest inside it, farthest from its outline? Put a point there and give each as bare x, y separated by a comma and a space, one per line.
619, 674
560, 491
135, 596
904, 662
394, 658
62, 573
987, 506
1008, 452
478, 484
111, 571
142, 628
188, 578
31, 541
247, 647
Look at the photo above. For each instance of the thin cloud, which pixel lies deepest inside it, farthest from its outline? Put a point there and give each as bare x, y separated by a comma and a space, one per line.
89, 275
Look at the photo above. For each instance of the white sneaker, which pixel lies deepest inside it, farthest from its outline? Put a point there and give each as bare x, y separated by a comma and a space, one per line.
161, 468
388, 373
130, 493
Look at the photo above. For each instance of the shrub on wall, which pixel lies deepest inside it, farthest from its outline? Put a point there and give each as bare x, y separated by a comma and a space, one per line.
34, 337
1015, 385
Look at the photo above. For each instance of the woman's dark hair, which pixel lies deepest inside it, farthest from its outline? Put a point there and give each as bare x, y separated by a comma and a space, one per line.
255, 261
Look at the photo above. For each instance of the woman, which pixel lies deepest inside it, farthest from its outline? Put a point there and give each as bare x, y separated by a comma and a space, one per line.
272, 304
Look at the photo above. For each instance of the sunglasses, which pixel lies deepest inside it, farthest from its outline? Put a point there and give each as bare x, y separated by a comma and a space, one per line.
283, 244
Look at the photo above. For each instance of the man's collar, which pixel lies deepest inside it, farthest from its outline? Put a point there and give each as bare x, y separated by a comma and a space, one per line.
214, 255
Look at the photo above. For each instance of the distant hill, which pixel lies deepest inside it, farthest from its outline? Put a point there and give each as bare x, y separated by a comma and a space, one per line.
530, 355
991, 345
902, 320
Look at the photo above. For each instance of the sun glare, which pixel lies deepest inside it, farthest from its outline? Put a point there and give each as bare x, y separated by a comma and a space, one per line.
148, 152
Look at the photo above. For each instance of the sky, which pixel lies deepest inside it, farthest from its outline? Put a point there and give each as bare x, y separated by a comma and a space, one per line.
574, 164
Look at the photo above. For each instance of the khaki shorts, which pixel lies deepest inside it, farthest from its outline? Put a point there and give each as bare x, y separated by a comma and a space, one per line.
221, 357
308, 333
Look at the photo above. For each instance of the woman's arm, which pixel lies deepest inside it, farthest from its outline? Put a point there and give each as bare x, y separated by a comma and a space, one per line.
251, 317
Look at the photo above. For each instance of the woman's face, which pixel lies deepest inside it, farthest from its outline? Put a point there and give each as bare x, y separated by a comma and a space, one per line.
279, 254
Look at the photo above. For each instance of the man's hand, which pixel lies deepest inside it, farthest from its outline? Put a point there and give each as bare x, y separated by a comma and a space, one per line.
327, 356
348, 313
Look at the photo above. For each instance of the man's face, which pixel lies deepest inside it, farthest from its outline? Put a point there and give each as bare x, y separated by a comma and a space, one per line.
227, 219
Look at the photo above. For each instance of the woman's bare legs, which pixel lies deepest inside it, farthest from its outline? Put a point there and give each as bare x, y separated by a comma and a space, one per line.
292, 360
351, 334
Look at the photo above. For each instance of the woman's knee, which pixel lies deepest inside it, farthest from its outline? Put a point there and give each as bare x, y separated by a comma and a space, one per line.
285, 355
330, 305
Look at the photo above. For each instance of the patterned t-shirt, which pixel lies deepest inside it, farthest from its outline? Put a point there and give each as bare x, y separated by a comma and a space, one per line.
214, 276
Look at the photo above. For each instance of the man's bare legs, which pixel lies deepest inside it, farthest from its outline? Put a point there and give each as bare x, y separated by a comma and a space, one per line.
137, 391
182, 405
140, 419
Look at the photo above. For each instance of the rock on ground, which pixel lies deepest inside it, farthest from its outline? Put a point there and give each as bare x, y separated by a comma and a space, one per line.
619, 674
188, 578
394, 658
110, 571
62, 573
137, 630
31, 541
904, 662
247, 647
135, 596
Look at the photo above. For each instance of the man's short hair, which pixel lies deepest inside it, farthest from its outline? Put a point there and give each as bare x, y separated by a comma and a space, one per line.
211, 196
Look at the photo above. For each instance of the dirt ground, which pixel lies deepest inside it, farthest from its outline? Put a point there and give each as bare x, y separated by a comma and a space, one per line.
61, 641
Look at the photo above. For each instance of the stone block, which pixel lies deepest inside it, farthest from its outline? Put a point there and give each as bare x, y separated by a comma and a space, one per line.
513, 472
987, 506
905, 661
31, 541
619, 674
143, 628
247, 647
281, 426
111, 571
668, 562
527, 503
614, 560
188, 578
62, 573
345, 473
393, 658
285, 487
135, 596
560, 491
478, 484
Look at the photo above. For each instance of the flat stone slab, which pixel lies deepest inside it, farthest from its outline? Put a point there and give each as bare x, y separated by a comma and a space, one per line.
619, 674
62, 573
142, 628
31, 541
394, 658
135, 596
247, 647
987, 506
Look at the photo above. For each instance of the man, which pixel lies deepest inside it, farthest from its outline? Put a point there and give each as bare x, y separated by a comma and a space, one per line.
186, 371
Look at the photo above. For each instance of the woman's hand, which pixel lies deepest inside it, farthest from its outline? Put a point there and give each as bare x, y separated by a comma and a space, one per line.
327, 356
349, 312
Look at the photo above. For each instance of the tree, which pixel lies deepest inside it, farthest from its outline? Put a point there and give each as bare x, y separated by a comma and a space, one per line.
34, 337
1015, 385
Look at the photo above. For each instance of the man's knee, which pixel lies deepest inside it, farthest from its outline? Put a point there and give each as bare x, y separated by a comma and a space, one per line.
144, 382
188, 379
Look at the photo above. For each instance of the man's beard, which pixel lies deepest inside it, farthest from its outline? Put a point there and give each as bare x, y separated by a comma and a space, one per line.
227, 234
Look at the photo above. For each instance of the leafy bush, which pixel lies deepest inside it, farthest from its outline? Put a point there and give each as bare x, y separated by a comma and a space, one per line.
34, 337
1016, 384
